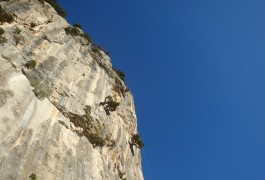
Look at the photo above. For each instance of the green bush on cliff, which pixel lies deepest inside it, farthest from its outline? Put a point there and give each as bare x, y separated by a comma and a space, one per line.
73, 31
87, 37
77, 25
2, 31
33, 176
2, 40
120, 74
30, 64
109, 105
4, 16
96, 50
17, 30
56, 6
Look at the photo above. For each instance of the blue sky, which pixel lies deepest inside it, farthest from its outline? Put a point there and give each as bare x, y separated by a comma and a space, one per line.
196, 69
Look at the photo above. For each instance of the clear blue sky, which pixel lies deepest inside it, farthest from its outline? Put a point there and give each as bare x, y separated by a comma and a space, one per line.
197, 72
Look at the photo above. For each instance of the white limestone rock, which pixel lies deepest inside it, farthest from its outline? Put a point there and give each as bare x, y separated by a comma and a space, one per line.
47, 132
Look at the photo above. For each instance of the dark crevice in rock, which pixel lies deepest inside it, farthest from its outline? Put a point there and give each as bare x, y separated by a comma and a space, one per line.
8, 59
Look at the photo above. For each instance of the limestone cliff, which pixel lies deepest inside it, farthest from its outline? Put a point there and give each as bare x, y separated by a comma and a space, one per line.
64, 112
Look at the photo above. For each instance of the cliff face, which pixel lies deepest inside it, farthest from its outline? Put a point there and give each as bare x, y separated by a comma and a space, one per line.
68, 117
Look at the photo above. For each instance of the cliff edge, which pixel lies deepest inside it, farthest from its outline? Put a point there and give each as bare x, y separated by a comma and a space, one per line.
64, 112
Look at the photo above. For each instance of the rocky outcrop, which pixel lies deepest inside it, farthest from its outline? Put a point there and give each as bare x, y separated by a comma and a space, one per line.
64, 113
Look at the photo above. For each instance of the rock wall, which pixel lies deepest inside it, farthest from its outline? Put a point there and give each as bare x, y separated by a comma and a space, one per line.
67, 117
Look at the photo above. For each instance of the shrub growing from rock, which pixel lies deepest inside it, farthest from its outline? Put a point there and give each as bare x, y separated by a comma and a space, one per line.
73, 31
33, 176
121, 175
17, 30
120, 74
2, 31
30, 64
2, 40
136, 141
87, 37
32, 24
97, 140
109, 105
96, 50
4, 16
57, 7
77, 25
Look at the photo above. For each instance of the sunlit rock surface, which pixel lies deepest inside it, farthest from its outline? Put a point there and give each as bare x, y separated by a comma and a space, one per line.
49, 112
